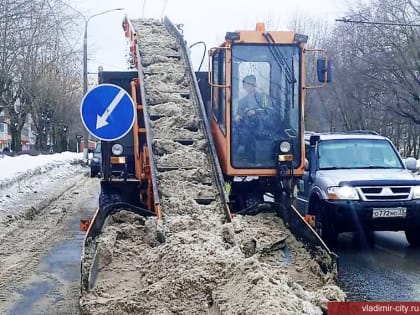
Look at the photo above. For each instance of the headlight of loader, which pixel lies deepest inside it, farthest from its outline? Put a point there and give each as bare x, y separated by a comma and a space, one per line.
342, 193
285, 147
284, 153
117, 149
416, 192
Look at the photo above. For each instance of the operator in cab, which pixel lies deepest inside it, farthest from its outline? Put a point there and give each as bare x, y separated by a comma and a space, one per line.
250, 117
253, 101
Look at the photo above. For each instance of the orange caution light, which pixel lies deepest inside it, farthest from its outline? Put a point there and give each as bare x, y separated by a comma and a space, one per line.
260, 27
286, 158
84, 224
117, 159
310, 219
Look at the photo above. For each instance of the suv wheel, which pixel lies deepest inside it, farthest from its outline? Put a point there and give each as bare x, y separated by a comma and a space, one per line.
324, 225
413, 236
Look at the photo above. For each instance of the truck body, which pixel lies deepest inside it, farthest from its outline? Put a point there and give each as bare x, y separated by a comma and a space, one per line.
357, 182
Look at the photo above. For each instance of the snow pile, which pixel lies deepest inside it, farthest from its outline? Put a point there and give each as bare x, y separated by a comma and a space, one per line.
29, 183
250, 266
16, 168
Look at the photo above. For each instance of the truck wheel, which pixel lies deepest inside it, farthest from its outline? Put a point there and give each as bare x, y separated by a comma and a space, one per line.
324, 226
413, 236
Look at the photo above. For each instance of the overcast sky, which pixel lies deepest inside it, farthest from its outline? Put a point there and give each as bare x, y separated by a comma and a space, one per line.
203, 20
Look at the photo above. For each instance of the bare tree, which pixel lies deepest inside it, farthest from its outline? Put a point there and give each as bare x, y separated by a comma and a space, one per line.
37, 55
376, 72
317, 114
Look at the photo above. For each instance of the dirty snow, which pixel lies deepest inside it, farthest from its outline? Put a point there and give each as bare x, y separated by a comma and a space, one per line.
250, 266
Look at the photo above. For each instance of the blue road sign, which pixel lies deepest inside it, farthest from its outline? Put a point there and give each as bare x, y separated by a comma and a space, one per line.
108, 112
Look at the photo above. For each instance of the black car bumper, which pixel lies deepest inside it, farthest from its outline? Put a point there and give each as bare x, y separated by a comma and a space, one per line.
355, 215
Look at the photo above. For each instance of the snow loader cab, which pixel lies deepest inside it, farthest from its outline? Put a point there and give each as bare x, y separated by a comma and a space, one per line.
257, 83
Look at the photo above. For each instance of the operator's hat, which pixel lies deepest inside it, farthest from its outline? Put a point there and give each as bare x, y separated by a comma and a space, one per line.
250, 79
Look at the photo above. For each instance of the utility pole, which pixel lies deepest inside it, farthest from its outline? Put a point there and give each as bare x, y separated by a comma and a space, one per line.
85, 68
86, 135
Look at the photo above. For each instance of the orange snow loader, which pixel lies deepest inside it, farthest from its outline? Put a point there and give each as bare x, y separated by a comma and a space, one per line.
254, 142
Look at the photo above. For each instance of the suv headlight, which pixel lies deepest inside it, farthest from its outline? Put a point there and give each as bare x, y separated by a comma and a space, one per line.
416, 192
342, 193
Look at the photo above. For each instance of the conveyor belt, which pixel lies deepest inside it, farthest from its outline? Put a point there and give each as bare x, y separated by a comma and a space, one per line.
184, 163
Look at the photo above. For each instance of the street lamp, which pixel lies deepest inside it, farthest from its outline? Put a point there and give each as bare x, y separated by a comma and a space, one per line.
85, 70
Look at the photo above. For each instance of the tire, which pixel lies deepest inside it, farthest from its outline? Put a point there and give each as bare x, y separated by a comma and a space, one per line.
413, 236
324, 225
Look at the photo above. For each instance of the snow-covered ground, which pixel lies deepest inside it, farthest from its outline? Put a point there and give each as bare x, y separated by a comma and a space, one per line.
15, 168
30, 182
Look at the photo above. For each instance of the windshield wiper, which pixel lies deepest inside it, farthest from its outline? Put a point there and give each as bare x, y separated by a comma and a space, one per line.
280, 59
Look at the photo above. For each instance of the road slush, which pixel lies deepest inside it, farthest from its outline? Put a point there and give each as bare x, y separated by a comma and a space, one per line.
377, 308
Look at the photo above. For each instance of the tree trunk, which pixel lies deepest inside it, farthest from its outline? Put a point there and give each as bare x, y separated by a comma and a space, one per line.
16, 145
41, 142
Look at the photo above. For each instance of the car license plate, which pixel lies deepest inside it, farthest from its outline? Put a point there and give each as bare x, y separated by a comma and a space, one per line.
399, 212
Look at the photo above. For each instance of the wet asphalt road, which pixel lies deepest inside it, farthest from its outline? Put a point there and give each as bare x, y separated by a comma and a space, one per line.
40, 258
389, 271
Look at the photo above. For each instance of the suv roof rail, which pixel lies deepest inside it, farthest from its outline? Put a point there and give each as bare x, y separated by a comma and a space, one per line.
358, 131
361, 131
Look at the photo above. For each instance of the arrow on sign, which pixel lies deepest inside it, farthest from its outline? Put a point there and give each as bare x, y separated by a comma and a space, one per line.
101, 121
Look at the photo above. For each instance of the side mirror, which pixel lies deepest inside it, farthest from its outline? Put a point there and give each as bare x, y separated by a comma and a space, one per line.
323, 69
411, 163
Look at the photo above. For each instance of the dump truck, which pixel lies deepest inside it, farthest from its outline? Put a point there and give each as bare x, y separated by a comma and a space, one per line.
200, 194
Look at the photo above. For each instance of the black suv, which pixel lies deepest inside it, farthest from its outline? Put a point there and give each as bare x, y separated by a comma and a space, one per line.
357, 182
